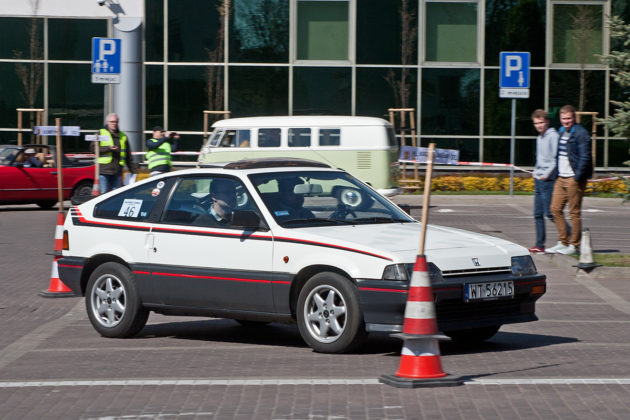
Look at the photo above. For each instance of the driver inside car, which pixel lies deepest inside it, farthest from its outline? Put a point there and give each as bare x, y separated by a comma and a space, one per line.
290, 204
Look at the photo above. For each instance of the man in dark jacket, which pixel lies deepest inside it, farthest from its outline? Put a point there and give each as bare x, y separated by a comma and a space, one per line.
575, 166
114, 154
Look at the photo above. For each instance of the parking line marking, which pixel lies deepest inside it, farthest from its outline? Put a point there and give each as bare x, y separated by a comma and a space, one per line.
301, 381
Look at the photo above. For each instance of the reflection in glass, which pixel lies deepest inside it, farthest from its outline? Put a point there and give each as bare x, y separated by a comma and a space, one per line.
71, 39
78, 99
391, 37
259, 31
154, 91
321, 91
21, 37
451, 32
515, 26
299, 137
379, 89
322, 30
154, 30
577, 33
195, 30
258, 91
498, 111
498, 151
468, 147
17, 90
450, 101
565, 88
188, 96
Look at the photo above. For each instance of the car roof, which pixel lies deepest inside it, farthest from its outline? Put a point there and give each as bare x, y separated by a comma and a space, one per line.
301, 121
268, 162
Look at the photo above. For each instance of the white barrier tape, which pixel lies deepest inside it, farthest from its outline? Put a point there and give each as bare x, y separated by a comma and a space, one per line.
91, 155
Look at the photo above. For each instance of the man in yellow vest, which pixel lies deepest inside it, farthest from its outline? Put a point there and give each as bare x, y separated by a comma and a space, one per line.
115, 153
159, 149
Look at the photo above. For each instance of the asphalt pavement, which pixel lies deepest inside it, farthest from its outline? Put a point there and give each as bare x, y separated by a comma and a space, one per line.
571, 364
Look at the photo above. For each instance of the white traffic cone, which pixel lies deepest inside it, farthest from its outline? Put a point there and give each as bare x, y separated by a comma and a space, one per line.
586, 261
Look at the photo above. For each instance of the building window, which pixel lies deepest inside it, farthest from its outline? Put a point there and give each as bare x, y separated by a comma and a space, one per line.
451, 32
322, 30
577, 33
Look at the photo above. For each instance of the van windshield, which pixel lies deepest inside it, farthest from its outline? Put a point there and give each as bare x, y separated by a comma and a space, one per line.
323, 198
230, 138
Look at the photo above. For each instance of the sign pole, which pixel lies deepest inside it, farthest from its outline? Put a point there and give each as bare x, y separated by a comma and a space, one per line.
427, 194
59, 165
512, 147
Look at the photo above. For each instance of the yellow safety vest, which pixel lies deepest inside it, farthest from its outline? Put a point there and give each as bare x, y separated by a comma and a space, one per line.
107, 158
159, 156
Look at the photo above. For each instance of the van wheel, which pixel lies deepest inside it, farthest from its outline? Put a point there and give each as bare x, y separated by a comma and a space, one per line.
113, 302
329, 315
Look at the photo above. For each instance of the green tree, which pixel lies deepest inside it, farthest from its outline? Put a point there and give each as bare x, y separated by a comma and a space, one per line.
619, 62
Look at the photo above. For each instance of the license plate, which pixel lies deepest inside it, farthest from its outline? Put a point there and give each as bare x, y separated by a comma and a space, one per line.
488, 290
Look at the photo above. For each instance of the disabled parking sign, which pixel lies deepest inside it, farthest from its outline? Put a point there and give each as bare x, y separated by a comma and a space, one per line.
514, 77
106, 60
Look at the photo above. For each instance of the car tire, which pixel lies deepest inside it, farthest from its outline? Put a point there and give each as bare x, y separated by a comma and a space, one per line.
81, 193
113, 302
329, 315
46, 205
473, 335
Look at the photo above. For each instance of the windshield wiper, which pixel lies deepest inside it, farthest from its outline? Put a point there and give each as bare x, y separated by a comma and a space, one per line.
380, 219
315, 220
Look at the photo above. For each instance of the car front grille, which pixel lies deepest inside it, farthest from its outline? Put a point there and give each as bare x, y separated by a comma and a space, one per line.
477, 271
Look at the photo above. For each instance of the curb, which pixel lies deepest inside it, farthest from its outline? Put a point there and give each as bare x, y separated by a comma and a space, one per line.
569, 264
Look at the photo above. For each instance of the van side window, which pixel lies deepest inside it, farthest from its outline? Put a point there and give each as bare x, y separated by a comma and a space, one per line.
269, 137
329, 136
299, 137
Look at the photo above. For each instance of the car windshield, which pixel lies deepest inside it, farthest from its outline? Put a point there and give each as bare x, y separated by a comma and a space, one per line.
7, 155
323, 198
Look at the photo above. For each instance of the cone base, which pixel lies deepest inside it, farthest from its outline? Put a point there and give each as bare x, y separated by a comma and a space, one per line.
49, 294
400, 382
585, 266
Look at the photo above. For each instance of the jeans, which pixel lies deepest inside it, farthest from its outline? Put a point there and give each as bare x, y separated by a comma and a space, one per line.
542, 203
109, 182
568, 191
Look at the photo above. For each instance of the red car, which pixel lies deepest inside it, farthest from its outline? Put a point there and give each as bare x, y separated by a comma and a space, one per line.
28, 174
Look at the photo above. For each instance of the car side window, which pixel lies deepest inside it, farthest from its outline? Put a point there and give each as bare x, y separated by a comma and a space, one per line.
207, 201
134, 204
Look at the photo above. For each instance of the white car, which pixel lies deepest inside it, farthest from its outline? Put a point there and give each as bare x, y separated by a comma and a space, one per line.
283, 240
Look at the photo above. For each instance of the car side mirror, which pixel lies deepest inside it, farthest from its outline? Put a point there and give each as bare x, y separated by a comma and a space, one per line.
246, 219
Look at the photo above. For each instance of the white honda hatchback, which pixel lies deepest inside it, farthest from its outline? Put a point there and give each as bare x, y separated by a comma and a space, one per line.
283, 240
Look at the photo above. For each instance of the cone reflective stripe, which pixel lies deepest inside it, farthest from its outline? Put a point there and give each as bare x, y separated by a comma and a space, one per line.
420, 310
96, 189
56, 285
420, 358
59, 233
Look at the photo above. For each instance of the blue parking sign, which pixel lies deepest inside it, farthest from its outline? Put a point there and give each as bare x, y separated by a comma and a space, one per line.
514, 70
106, 59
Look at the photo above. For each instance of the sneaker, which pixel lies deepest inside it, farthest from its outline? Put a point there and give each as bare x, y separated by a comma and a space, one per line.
536, 250
568, 250
556, 248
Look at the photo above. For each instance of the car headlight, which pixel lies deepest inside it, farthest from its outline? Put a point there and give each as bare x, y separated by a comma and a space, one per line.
523, 265
402, 272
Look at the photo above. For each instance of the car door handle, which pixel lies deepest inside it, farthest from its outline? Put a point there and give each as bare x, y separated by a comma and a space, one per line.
54, 173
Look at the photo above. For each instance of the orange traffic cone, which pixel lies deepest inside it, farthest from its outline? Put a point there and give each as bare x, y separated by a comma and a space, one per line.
420, 364
96, 189
56, 287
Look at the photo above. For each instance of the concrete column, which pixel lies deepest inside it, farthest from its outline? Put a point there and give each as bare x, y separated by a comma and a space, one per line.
128, 93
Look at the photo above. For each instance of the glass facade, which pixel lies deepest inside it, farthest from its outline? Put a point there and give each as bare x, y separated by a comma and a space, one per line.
344, 57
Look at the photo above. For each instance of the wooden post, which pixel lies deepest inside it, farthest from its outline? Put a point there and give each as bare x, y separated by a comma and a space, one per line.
426, 197
59, 165
38, 112
405, 113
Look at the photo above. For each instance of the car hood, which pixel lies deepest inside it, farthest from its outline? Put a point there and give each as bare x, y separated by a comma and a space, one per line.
448, 248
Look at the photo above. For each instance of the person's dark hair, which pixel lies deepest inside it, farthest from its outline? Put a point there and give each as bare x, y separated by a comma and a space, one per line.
567, 109
540, 113
217, 183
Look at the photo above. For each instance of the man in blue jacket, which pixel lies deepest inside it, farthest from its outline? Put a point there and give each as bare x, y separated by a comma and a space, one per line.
575, 166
